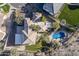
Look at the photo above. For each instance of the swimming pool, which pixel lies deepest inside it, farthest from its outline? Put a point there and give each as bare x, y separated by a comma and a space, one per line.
58, 35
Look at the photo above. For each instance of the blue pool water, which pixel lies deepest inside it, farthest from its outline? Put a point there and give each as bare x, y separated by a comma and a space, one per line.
58, 35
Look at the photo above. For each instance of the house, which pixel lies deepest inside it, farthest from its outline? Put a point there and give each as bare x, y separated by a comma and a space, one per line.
18, 35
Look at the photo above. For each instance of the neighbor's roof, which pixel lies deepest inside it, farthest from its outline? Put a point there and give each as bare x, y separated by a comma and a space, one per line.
52, 8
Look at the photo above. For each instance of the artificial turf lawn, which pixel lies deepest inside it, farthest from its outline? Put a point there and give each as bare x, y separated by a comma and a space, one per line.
70, 15
35, 47
6, 8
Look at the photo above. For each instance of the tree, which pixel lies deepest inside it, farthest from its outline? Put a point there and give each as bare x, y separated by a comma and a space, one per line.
45, 42
35, 27
45, 37
55, 25
43, 19
19, 20
13, 52
55, 44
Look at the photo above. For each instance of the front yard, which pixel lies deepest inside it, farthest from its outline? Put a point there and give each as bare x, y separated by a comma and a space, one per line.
70, 14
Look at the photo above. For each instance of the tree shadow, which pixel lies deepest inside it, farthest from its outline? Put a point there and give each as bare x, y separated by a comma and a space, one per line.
73, 7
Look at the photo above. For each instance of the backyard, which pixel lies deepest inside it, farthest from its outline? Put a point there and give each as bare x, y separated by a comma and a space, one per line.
40, 44
70, 14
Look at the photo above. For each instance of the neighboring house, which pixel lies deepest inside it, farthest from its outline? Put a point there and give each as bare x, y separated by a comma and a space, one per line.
52, 8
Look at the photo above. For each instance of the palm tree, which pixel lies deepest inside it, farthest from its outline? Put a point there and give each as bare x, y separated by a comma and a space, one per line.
19, 17
45, 37
19, 20
55, 25
13, 52
35, 27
